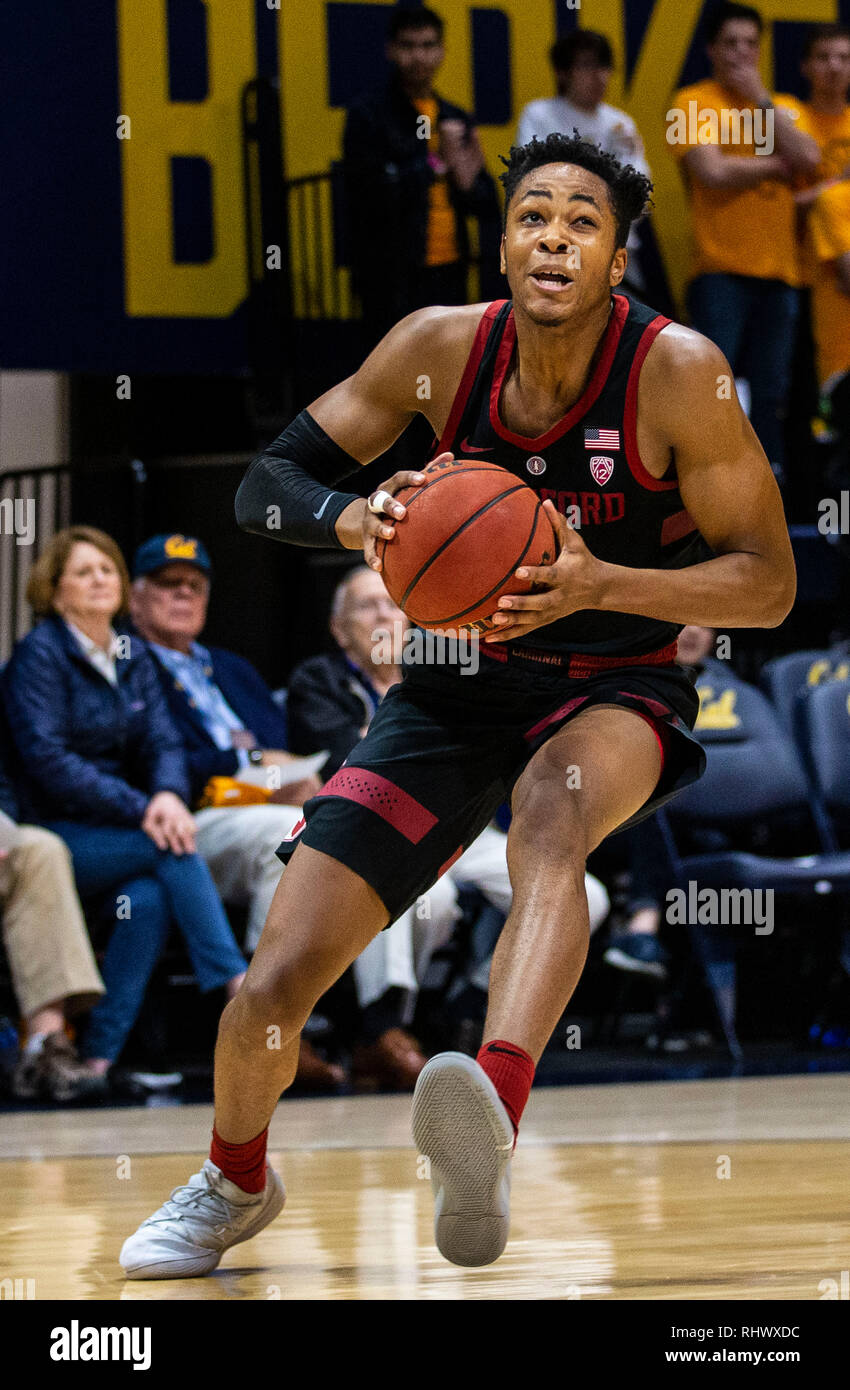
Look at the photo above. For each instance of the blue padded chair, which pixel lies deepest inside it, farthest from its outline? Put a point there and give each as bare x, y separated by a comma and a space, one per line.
786, 679
824, 731
753, 773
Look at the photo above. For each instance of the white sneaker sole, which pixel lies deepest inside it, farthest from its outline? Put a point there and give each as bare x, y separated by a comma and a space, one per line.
461, 1126
206, 1260
621, 960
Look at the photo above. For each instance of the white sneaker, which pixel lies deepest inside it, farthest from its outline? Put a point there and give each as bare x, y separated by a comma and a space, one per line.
191, 1231
460, 1124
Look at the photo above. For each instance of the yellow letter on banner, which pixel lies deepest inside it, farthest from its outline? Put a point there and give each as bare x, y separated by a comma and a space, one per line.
210, 129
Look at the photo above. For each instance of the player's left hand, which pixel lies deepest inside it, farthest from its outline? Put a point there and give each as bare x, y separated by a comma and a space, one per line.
572, 583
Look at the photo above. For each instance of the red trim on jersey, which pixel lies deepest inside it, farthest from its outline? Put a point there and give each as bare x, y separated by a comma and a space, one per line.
394, 805
633, 458
676, 526
585, 400
473, 362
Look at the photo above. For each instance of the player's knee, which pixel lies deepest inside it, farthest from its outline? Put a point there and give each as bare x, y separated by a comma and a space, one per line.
271, 1005
552, 827
548, 818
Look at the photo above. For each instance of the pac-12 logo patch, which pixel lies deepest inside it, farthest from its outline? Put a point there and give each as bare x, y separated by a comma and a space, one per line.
536, 465
601, 467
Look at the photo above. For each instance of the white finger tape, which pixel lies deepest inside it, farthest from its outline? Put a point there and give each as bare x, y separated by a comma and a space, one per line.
378, 502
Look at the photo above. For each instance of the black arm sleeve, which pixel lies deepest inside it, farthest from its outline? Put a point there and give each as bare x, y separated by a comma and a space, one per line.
284, 494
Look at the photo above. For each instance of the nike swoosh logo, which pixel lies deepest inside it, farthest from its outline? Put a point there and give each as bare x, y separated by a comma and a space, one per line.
324, 504
467, 448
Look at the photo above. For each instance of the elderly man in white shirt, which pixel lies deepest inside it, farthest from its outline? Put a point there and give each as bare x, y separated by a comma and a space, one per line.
583, 63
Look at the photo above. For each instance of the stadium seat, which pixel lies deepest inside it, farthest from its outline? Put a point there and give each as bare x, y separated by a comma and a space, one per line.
788, 677
752, 768
753, 774
824, 730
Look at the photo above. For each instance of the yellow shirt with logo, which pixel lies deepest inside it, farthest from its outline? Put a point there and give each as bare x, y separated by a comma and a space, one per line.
747, 231
441, 245
829, 238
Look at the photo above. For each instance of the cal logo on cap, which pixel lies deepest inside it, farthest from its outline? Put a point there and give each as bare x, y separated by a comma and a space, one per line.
179, 548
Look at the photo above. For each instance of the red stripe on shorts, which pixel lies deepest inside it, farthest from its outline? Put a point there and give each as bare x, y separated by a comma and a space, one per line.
559, 713
654, 705
451, 860
661, 731
400, 810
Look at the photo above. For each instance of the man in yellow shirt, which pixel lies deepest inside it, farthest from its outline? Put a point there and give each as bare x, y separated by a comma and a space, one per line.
826, 115
414, 172
829, 239
826, 201
738, 152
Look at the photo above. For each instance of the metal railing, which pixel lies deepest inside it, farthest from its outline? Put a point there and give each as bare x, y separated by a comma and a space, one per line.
320, 288
34, 504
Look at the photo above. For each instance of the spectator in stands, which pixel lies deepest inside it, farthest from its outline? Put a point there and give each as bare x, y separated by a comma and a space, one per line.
826, 201
738, 151
414, 171
99, 762
583, 63
331, 700
829, 239
53, 969
229, 723
825, 64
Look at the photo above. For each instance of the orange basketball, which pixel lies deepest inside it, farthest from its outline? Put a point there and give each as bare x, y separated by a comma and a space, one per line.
467, 528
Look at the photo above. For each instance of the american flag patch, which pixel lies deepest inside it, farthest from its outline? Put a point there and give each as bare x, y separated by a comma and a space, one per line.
606, 439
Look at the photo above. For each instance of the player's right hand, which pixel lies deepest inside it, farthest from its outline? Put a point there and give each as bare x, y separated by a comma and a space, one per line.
376, 527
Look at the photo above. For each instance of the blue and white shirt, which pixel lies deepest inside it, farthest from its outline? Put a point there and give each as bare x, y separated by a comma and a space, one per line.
193, 673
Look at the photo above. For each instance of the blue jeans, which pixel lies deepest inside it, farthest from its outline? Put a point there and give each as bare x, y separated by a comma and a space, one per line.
152, 888
753, 322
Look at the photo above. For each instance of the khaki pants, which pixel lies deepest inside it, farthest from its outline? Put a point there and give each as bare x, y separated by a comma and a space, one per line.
44, 933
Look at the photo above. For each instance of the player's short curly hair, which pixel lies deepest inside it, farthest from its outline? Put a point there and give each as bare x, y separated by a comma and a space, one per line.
628, 190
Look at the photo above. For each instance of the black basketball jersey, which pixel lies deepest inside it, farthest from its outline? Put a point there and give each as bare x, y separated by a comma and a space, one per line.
588, 464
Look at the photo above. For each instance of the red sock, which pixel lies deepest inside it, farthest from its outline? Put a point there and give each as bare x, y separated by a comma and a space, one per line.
511, 1071
244, 1164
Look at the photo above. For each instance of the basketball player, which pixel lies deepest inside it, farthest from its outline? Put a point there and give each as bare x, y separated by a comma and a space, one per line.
625, 423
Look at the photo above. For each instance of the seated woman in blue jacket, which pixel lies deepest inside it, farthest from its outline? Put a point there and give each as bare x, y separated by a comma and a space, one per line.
100, 763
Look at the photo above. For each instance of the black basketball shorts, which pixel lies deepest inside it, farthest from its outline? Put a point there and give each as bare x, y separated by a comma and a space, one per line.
444, 750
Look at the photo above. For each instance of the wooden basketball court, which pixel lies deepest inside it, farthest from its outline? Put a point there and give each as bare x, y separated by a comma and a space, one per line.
733, 1189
